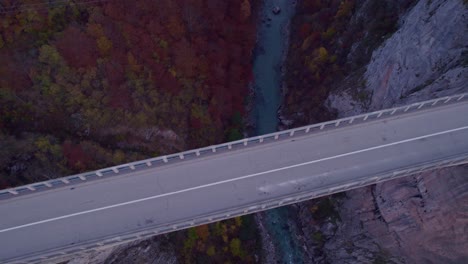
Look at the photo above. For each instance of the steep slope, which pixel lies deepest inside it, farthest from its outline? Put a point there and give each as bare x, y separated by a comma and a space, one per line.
423, 218
425, 58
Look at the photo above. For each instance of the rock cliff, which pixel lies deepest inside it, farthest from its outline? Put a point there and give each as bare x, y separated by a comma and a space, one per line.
426, 58
418, 219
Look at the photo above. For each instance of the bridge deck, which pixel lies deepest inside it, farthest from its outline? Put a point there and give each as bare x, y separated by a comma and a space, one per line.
232, 182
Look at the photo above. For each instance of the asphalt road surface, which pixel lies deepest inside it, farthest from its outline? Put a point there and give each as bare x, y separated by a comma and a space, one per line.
88, 212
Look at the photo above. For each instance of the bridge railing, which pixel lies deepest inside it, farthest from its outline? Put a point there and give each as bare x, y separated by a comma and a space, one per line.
234, 145
93, 246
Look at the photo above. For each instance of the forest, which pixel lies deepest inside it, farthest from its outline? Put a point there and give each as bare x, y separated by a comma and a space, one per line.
89, 84
327, 45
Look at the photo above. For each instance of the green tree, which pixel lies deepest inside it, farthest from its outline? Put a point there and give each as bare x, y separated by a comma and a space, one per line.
345, 9
234, 134
49, 55
322, 55
211, 251
328, 35
104, 45
235, 247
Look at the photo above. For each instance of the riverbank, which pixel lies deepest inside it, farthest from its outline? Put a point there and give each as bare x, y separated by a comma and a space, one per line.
270, 54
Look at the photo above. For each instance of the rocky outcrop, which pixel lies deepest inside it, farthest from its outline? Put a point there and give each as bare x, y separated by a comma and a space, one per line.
423, 218
154, 250
426, 53
419, 219
425, 58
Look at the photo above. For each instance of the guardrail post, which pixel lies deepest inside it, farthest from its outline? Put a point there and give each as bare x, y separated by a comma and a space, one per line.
337, 123
213, 149
351, 120
261, 140
380, 114
31, 188
365, 118
197, 153
82, 177
115, 170
448, 99
230, 146
322, 126
276, 136
393, 112
148, 163
165, 159
132, 167
181, 156
435, 102
65, 181
461, 97
13, 192
407, 108
421, 105
47, 184
291, 133
245, 142
99, 174
307, 130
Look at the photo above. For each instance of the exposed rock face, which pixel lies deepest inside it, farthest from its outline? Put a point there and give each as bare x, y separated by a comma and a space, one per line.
155, 250
425, 58
149, 251
427, 215
423, 218
425, 54
420, 219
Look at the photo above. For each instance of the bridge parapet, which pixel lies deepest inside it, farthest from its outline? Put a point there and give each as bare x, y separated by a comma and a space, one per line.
230, 146
94, 246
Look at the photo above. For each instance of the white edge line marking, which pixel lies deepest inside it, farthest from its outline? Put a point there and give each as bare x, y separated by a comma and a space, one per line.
231, 180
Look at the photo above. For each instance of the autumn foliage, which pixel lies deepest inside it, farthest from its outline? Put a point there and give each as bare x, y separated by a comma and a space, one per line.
141, 77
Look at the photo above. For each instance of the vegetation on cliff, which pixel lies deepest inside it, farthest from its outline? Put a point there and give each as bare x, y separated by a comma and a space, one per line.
329, 40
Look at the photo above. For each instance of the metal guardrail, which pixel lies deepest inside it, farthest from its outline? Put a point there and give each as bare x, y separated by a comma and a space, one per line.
245, 209
214, 149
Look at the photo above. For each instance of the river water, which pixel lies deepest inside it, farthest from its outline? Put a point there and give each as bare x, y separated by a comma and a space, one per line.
272, 45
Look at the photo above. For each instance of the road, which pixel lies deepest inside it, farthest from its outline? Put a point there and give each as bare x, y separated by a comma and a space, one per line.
83, 214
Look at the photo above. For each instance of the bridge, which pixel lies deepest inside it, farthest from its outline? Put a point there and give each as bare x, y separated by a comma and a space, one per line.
110, 206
